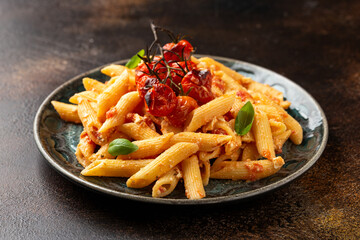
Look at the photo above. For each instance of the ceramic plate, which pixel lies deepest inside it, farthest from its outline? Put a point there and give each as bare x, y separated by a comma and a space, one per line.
57, 141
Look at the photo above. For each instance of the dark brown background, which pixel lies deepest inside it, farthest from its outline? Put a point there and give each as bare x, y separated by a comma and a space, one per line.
316, 43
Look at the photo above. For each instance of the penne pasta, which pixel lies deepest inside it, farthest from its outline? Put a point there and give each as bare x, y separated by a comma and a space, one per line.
205, 113
204, 163
296, 130
270, 92
115, 168
250, 152
263, 137
85, 149
89, 95
207, 142
277, 128
280, 139
167, 183
149, 147
103, 153
113, 70
111, 95
138, 131
219, 66
90, 122
67, 112
194, 188
247, 170
116, 116
93, 85
162, 164
230, 83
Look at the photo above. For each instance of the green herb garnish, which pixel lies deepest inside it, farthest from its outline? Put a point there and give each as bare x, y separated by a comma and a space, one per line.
121, 146
244, 119
135, 60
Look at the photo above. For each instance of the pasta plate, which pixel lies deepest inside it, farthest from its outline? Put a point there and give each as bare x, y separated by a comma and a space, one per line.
57, 141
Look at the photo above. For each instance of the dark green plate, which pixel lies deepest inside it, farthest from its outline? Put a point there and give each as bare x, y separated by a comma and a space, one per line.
57, 141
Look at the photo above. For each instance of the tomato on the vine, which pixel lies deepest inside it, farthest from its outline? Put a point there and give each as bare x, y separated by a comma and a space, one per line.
156, 66
145, 83
185, 105
177, 52
198, 82
160, 100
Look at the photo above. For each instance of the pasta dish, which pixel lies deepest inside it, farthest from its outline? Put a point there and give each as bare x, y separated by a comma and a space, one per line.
167, 117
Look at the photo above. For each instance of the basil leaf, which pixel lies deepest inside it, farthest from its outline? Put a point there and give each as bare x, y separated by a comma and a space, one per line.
135, 60
121, 146
244, 119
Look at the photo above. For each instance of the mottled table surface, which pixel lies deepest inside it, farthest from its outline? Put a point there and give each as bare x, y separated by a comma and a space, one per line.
316, 43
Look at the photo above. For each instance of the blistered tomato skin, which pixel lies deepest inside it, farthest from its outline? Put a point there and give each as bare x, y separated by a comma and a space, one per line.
160, 100
143, 70
177, 52
198, 82
144, 84
185, 105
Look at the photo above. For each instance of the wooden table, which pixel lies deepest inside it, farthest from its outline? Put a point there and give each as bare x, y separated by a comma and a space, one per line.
316, 43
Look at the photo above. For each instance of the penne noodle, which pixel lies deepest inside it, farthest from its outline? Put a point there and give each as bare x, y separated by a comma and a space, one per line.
167, 183
280, 139
166, 127
111, 95
85, 149
265, 89
250, 152
277, 128
218, 66
138, 131
116, 116
233, 157
115, 168
86, 145
90, 122
204, 163
271, 112
149, 147
230, 83
103, 153
207, 142
247, 170
194, 188
93, 85
67, 112
162, 164
205, 113
263, 137
248, 138
113, 70
296, 130
89, 95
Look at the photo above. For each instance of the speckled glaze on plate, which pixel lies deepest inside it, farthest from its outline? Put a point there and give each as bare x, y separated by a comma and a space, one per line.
57, 141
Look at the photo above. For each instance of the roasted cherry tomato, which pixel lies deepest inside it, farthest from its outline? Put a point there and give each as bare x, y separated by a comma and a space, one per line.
178, 68
156, 66
177, 52
160, 100
185, 105
145, 83
199, 81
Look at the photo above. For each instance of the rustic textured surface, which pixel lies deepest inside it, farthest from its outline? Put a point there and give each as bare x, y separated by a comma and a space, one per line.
44, 43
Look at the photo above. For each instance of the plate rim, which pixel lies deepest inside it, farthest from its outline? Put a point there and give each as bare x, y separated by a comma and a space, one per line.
172, 201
